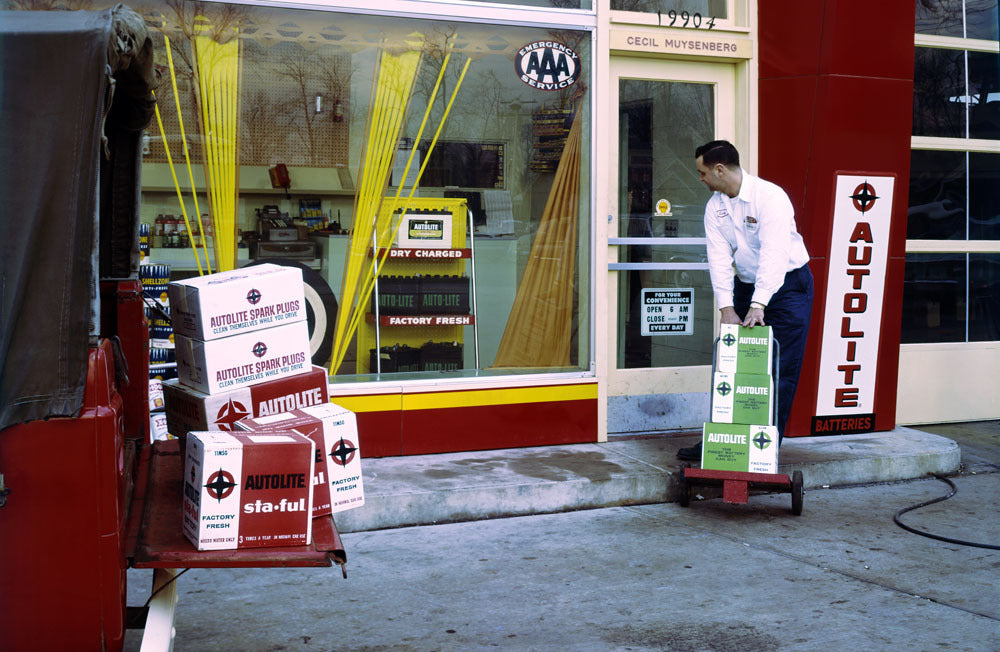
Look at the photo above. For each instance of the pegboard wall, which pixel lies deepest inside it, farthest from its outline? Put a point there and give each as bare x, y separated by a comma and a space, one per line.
279, 118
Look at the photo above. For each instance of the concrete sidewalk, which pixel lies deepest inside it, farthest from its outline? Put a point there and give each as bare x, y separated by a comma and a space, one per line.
454, 487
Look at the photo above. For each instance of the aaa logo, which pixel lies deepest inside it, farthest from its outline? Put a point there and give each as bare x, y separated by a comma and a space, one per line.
547, 65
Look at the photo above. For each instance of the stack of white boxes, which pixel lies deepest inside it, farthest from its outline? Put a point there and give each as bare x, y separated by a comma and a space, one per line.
742, 435
242, 346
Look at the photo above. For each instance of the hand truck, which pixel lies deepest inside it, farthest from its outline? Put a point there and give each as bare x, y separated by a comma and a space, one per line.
736, 485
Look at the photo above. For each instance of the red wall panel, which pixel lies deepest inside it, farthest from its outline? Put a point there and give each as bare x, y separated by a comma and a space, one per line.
511, 425
835, 95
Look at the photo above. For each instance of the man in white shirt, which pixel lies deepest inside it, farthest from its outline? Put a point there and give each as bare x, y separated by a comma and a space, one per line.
758, 263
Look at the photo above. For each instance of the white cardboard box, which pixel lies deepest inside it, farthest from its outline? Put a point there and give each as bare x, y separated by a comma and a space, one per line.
744, 350
242, 360
742, 398
739, 447
338, 482
237, 301
246, 490
189, 409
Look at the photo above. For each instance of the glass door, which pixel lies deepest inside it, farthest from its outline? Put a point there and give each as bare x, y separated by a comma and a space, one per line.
666, 318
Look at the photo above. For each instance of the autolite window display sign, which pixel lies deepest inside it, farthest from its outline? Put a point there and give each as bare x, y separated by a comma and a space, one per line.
859, 250
188, 409
237, 301
337, 482
241, 360
245, 490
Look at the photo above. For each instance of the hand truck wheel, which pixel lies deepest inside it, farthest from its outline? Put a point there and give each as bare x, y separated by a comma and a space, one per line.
797, 493
685, 486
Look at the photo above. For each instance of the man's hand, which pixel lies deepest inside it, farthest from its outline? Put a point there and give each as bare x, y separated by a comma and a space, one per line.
755, 316
728, 315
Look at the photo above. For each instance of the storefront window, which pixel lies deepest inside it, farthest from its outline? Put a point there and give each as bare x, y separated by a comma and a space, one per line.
484, 264
984, 297
937, 207
934, 298
940, 306
984, 196
984, 95
946, 18
940, 183
950, 295
677, 13
939, 93
549, 4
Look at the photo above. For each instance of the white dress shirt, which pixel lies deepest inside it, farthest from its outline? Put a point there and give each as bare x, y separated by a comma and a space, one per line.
753, 236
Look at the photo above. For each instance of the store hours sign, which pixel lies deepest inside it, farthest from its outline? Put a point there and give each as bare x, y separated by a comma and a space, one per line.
667, 311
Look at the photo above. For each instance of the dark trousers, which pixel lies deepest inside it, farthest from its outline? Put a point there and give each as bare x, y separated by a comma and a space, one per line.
787, 313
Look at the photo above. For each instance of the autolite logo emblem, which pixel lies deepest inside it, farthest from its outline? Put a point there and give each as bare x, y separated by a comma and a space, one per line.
253, 296
220, 485
259, 349
230, 413
343, 452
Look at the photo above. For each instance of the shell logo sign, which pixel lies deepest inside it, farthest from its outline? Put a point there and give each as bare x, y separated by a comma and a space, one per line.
547, 65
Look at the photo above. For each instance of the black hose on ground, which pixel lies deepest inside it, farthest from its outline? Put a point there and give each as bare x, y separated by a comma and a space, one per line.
954, 490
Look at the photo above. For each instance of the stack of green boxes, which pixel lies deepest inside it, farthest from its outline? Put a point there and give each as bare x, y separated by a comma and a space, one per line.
742, 435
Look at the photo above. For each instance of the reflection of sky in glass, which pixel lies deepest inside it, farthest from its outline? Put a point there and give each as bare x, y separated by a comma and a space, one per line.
934, 291
944, 18
938, 80
984, 297
984, 196
981, 19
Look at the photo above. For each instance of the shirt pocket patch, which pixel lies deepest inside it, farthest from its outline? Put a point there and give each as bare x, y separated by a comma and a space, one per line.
750, 224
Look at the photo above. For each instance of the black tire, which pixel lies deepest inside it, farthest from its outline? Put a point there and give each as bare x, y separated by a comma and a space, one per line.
321, 309
797, 493
685, 486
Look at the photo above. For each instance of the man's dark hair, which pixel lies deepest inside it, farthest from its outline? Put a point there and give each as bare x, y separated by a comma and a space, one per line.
718, 151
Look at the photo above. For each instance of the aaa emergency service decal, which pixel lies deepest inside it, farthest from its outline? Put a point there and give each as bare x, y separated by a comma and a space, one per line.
547, 65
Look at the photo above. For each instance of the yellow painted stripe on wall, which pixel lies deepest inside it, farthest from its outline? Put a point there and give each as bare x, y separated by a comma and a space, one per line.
506, 396
380, 403
467, 398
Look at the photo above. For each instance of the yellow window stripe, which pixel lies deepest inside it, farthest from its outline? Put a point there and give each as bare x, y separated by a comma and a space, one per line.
381, 403
470, 398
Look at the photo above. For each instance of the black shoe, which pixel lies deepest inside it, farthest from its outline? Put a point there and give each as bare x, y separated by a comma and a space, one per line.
690, 454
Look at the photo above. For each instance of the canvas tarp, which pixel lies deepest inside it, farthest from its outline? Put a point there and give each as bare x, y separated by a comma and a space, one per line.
74, 98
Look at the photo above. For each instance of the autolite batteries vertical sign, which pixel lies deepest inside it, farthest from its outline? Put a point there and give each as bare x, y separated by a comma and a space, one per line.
859, 250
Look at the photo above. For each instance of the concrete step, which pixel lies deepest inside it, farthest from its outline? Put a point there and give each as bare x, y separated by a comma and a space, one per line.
452, 487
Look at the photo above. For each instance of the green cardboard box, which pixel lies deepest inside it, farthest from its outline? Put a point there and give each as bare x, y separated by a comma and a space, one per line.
742, 398
739, 447
743, 350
